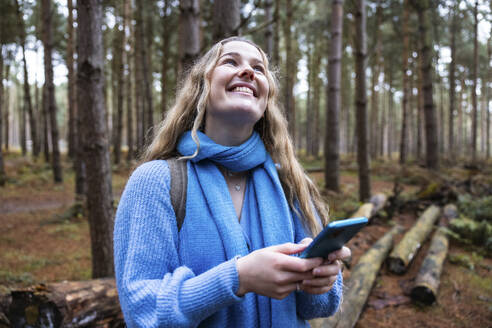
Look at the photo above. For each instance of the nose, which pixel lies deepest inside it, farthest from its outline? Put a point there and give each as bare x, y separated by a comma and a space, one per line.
247, 72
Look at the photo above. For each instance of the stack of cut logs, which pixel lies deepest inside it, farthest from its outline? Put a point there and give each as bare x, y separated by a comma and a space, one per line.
95, 302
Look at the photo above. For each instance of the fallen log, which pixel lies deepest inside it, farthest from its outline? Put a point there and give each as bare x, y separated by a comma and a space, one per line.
405, 251
67, 304
369, 209
360, 283
428, 278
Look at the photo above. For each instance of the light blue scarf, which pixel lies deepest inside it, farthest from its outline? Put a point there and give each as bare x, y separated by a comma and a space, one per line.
269, 213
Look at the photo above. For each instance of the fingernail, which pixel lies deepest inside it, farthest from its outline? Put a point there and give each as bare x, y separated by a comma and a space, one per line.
316, 272
331, 257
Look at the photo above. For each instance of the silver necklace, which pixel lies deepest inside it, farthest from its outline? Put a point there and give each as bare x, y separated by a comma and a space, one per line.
236, 185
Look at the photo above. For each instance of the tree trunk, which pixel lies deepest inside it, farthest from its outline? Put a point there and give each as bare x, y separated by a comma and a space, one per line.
487, 95
276, 35
50, 88
375, 130
226, 18
359, 285
120, 85
407, 248
474, 87
91, 303
289, 68
332, 137
406, 91
46, 125
138, 77
6, 103
148, 117
361, 102
72, 119
269, 29
129, 103
21, 106
431, 139
461, 120
189, 33
90, 101
428, 279
452, 81
391, 136
369, 209
2, 168
420, 106
166, 34
27, 91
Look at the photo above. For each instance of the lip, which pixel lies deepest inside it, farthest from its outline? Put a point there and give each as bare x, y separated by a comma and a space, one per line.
243, 84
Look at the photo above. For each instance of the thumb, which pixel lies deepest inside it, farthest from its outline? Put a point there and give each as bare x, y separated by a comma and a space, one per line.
289, 248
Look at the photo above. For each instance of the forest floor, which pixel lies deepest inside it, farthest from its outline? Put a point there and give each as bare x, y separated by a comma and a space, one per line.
39, 244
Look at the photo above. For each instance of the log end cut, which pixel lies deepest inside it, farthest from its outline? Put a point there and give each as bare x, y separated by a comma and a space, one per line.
423, 294
396, 265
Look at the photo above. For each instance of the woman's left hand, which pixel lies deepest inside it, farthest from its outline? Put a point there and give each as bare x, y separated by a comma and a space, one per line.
325, 274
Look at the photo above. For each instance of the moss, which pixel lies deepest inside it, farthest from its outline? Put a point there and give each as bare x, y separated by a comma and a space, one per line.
479, 209
462, 260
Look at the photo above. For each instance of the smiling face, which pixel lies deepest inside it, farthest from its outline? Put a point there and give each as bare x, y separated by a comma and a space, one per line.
238, 90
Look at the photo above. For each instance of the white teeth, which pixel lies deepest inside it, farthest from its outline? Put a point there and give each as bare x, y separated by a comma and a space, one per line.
243, 89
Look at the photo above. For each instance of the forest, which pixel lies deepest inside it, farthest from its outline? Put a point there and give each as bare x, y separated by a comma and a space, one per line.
388, 103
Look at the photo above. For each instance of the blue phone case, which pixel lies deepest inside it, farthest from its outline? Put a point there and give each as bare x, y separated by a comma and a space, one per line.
333, 237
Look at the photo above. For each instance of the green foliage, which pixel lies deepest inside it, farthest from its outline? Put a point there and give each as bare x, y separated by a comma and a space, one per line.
476, 209
467, 231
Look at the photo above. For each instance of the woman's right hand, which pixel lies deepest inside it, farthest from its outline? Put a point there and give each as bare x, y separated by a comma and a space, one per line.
272, 272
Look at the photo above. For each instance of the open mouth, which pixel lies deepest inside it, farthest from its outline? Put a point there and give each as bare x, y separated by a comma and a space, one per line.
243, 89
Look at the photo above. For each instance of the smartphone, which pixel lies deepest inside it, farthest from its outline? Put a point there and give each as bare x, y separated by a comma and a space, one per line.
333, 237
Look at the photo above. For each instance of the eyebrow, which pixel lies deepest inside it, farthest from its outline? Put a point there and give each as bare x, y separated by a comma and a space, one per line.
236, 54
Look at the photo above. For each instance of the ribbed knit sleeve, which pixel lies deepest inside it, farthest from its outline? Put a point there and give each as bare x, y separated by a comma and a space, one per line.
154, 290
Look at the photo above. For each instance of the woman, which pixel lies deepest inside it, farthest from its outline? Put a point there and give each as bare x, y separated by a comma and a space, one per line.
249, 208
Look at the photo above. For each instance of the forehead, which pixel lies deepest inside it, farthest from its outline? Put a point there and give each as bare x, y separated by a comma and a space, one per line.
244, 49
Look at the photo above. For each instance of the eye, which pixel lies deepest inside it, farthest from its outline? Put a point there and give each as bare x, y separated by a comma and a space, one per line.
259, 68
230, 61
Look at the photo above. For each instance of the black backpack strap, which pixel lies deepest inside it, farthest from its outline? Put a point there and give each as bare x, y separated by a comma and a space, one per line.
179, 185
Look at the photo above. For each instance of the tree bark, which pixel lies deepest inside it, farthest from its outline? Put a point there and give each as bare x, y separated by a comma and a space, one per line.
91, 303
226, 18
72, 119
166, 33
359, 285
50, 89
316, 124
289, 69
332, 137
452, 80
129, 89
120, 85
90, 101
27, 91
148, 109
431, 138
474, 87
2, 168
369, 209
276, 34
407, 248
361, 102
406, 91
376, 69
487, 96
269, 29
46, 124
428, 279
189, 33
6, 103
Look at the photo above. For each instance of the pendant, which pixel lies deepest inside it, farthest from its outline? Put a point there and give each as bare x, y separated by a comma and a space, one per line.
238, 187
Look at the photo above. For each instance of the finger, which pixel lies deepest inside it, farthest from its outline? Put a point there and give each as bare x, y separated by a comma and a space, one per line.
327, 270
296, 264
286, 278
340, 254
320, 282
289, 248
306, 241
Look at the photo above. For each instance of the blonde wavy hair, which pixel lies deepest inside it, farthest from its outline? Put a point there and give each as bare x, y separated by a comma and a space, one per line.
188, 113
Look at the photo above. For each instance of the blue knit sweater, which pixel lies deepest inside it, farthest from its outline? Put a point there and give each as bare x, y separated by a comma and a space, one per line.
161, 284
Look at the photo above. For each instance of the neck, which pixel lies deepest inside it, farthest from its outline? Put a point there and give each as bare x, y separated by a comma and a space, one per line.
228, 136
